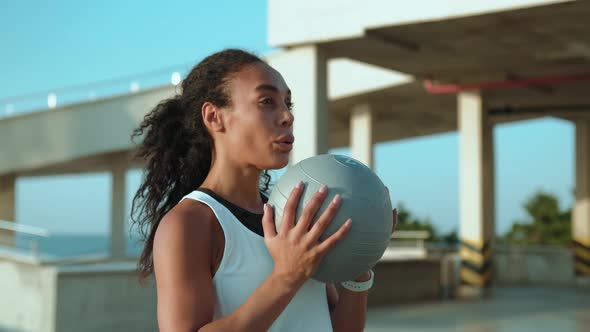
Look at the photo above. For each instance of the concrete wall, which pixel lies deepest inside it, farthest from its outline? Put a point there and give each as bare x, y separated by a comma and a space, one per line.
534, 265
403, 281
73, 298
104, 297
27, 297
107, 296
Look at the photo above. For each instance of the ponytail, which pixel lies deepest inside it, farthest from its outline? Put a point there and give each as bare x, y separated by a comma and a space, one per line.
177, 148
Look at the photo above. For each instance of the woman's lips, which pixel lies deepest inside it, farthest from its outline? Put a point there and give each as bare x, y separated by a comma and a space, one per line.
285, 146
285, 142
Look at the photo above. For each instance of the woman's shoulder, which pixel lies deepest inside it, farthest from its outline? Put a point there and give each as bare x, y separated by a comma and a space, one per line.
190, 225
189, 214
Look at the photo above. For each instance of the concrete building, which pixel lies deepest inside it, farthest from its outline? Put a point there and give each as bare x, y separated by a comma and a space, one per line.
474, 65
361, 73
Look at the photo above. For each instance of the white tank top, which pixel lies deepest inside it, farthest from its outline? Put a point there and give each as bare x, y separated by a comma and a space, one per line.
246, 263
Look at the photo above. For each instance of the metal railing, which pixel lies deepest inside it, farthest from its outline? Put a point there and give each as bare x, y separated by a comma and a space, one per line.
9, 231
37, 245
46, 100
22, 240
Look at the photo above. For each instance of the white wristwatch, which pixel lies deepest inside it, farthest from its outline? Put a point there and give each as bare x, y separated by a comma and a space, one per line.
362, 286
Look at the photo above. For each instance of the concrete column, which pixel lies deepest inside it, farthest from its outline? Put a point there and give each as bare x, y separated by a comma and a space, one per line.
305, 71
476, 193
7, 206
581, 210
118, 236
361, 134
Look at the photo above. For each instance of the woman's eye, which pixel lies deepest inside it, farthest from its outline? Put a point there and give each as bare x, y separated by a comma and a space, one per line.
266, 101
289, 105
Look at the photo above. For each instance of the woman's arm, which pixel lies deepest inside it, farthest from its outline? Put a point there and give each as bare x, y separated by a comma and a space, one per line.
348, 309
183, 251
261, 309
183, 257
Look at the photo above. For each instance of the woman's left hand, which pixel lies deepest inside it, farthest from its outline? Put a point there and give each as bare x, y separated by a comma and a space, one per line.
367, 275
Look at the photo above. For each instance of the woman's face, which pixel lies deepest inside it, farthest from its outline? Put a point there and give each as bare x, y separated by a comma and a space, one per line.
259, 122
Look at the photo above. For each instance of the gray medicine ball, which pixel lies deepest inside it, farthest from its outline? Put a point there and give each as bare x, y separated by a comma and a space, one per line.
364, 199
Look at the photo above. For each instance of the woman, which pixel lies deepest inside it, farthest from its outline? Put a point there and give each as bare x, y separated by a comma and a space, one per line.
219, 262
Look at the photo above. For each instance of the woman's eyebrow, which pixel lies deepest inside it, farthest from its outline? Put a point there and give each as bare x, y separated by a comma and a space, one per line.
269, 87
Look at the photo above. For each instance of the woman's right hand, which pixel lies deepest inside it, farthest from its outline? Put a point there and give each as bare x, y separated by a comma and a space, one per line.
296, 249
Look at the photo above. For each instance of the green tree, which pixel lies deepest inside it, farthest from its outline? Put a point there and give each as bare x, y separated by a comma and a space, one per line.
546, 223
450, 238
406, 221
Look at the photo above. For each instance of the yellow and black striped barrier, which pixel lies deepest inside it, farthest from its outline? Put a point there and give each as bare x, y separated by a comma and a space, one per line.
476, 263
582, 257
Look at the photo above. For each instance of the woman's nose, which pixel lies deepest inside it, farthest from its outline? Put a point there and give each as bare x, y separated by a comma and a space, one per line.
287, 118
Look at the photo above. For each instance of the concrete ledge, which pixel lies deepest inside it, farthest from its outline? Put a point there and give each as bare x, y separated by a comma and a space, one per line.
96, 295
404, 281
534, 265
115, 301
88, 295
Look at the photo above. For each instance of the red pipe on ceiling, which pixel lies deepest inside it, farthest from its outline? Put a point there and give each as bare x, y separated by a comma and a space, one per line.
433, 88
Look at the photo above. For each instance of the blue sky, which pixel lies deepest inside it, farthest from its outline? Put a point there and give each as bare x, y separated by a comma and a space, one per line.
47, 45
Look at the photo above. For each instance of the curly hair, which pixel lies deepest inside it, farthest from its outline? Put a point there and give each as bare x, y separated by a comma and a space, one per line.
177, 148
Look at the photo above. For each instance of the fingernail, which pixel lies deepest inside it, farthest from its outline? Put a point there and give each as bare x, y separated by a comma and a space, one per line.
299, 185
323, 189
348, 222
336, 199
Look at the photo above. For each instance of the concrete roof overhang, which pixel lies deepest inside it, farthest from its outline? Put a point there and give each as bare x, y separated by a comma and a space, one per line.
546, 42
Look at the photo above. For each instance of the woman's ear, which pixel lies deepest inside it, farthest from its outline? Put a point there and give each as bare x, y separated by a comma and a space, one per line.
212, 117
